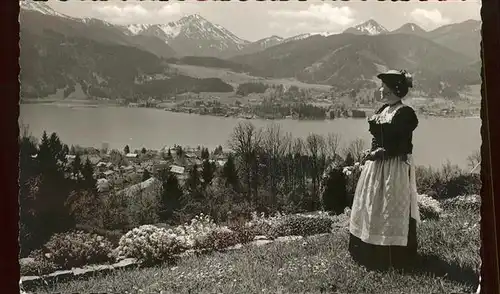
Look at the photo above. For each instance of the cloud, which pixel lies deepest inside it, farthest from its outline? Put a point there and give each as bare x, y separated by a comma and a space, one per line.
127, 11
429, 17
324, 13
316, 17
170, 9
131, 13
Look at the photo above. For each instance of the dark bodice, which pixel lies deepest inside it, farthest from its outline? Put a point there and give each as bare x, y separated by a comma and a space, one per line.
394, 135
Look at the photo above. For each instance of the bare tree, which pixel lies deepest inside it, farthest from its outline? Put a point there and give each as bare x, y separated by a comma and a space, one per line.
474, 160
355, 148
245, 141
298, 172
316, 147
275, 144
333, 143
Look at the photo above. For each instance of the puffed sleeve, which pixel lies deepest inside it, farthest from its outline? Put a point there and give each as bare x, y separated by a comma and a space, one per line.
405, 120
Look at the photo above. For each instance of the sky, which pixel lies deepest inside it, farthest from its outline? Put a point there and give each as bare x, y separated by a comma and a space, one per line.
253, 20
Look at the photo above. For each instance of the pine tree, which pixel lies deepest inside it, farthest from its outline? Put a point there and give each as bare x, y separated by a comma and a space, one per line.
208, 171
76, 167
47, 162
179, 152
193, 181
229, 172
56, 148
90, 183
146, 175
52, 190
218, 150
205, 154
65, 150
171, 197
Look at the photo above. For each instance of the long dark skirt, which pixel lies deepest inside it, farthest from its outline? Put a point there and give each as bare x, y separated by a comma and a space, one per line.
378, 257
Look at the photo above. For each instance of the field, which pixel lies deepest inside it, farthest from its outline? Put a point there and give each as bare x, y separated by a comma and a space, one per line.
449, 250
235, 79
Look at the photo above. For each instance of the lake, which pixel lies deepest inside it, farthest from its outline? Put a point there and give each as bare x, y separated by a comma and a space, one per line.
435, 140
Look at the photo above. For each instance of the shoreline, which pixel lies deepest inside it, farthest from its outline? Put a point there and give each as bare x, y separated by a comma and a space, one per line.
74, 104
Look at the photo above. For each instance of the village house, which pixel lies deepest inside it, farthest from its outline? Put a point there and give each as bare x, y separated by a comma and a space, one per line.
149, 188
127, 168
178, 170
158, 166
108, 175
69, 157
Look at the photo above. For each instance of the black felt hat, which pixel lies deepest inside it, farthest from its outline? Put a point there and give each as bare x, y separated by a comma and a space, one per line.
398, 80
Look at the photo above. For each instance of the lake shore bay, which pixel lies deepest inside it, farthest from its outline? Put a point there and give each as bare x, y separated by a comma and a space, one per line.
155, 129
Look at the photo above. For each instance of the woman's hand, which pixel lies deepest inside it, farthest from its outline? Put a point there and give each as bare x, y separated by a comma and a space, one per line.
365, 155
375, 154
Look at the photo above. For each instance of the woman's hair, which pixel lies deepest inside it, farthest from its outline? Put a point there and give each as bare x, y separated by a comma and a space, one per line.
398, 83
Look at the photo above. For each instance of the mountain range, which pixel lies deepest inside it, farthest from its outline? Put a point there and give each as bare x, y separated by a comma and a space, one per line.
444, 56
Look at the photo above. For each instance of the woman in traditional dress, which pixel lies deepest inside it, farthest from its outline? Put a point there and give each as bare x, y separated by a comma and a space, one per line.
384, 213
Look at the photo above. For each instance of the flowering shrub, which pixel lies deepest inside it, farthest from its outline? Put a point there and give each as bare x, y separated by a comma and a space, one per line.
262, 225
429, 207
153, 244
221, 238
196, 234
299, 225
40, 265
76, 249
150, 244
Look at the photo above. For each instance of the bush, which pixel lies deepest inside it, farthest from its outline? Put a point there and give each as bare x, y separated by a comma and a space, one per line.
83, 206
447, 182
77, 249
470, 203
221, 238
297, 225
262, 225
150, 244
334, 195
429, 207
244, 234
197, 234
40, 265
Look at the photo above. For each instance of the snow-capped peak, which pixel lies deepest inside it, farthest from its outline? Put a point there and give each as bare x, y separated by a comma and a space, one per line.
192, 27
297, 37
370, 27
269, 41
135, 29
192, 35
324, 34
39, 7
